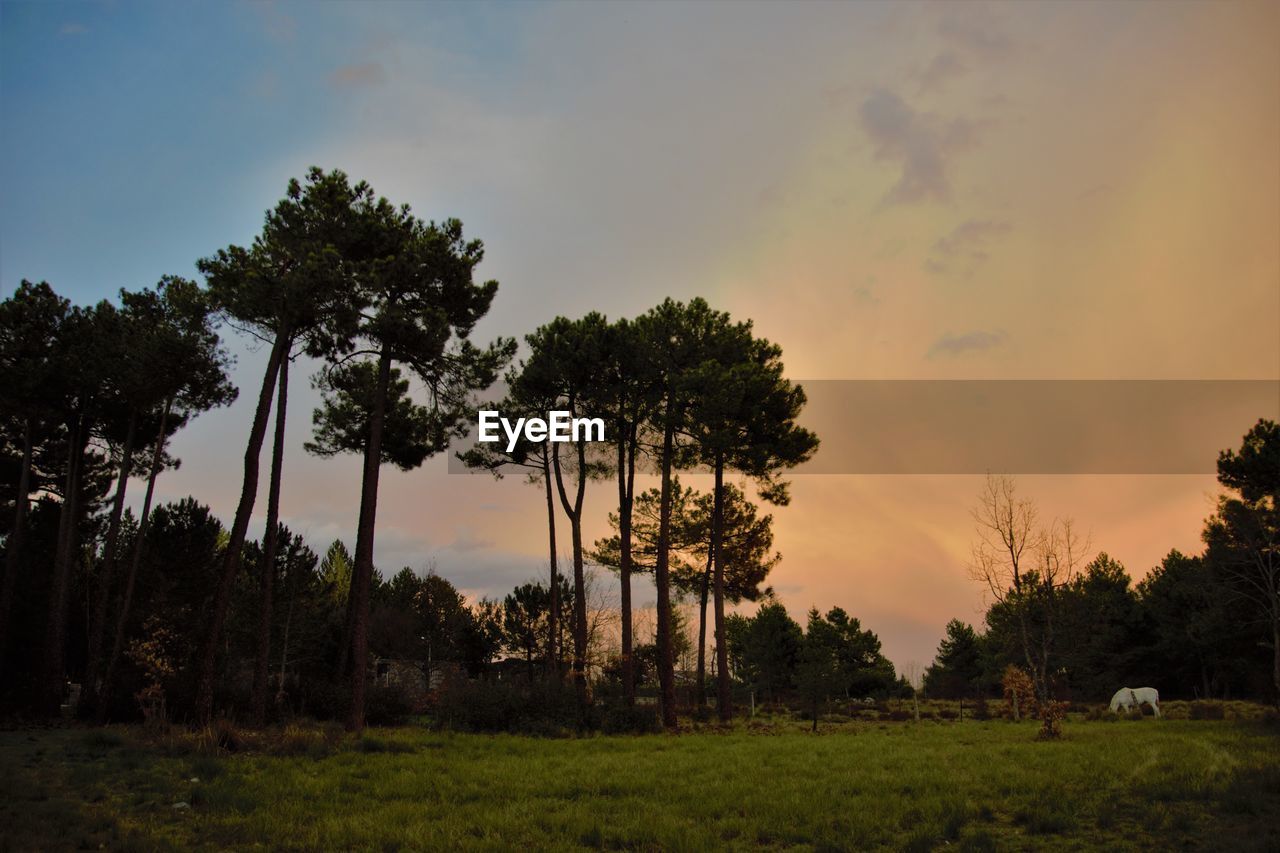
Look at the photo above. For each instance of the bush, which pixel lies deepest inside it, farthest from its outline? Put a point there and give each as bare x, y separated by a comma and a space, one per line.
227, 736
1206, 711
303, 740
386, 706
543, 708
326, 700
630, 719
1052, 713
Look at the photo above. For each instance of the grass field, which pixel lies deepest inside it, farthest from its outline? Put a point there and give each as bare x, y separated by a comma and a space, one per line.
968, 786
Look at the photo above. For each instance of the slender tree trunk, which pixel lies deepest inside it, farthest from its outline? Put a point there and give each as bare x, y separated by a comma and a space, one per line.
98, 619
666, 662
724, 699
362, 577
703, 598
239, 529
53, 671
553, 628
626, 483
13, 549
139, 547
284, 649
574, 511
270, 547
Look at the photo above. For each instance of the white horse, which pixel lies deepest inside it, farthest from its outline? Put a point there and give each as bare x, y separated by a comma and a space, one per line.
1129, 698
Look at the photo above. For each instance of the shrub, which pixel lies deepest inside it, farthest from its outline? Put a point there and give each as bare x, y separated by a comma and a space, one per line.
386, 706
326, 700
1019, 692
299, 740
542, 708
1052, 713
1206, 711
630, 719
226, 735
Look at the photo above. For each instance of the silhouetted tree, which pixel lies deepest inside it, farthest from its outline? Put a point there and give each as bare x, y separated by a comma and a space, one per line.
526, 400
1025, 567
295, 282
421, 305
562, 367
1243, 536
818, 663
673, 339
742, 416
186, 374
766, 648
747, 550
957, 669
30, 352
625, 395
1195, 642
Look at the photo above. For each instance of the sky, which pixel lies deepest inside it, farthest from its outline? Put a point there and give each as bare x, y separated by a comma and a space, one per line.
1067, 190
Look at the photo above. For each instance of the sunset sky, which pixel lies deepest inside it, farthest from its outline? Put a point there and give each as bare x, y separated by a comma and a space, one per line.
905, 191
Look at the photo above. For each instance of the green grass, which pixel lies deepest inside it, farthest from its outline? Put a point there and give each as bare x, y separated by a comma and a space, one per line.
970, 786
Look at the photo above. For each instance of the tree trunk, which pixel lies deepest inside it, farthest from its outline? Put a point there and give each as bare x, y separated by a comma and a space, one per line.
666, 663
270, 546
724, 699
53, 670
703, 598
362, 576
235, 545
284, 649
574, 511
139, 546
626, 486
553, 652
13, 548
98, 619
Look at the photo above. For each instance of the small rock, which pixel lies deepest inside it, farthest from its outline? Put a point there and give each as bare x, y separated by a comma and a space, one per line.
194, 779
182, 805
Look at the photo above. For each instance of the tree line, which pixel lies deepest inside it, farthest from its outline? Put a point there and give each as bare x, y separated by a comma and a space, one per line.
169, 612
1203, 626
386, 303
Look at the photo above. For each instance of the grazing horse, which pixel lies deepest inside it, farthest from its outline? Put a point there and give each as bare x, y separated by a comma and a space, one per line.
1129, 698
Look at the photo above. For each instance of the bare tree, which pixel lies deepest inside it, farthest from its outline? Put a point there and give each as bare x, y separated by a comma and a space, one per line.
603, 619
1024, 566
